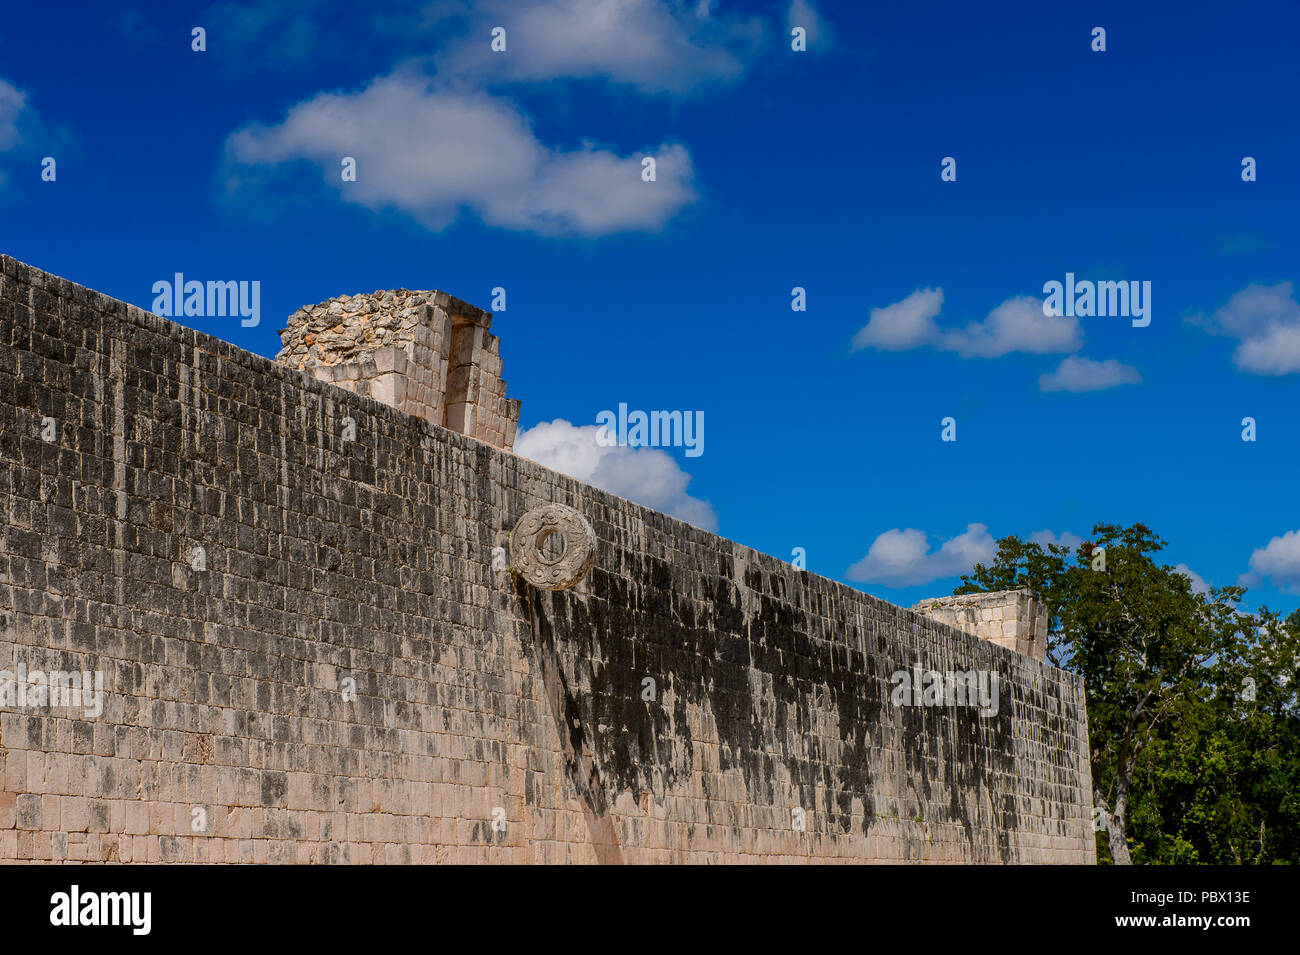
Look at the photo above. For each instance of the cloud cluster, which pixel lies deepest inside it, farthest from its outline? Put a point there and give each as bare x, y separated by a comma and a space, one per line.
431, 152
435, 138
1017, 325
902, 558
1266, 321
647, 476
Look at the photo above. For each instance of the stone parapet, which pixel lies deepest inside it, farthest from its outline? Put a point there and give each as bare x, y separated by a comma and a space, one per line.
1015, 619
426, 353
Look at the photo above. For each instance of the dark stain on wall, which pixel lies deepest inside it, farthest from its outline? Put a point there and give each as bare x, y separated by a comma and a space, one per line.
692, 635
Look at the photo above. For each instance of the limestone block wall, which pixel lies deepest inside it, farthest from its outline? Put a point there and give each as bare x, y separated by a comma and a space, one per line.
308, 656
426, 353
1015, 619
476, 395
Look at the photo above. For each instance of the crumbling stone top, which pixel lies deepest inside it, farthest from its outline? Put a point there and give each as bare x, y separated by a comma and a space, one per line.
343, 328
424, 352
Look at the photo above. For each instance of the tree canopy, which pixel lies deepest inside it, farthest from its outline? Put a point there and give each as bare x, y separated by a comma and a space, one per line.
1192, 711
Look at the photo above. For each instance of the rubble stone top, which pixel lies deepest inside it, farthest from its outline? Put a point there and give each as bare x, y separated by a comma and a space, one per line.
343, 328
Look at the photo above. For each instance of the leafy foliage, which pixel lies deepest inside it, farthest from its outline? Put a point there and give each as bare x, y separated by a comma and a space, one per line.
1193, 719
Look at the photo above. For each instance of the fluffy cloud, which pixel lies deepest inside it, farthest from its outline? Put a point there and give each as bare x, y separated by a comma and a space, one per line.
1279, 559
1064, 539
432, 152
903, 325
12, 102
647, 476
1266, 320
1199, 586
902, 558
1017, 325
1077, 373
654, 46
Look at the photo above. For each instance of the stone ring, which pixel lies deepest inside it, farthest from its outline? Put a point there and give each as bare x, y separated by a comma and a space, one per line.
549, 567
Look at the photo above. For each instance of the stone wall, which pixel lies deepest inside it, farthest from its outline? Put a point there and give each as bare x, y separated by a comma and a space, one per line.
309, 654
426, 353
1015, 619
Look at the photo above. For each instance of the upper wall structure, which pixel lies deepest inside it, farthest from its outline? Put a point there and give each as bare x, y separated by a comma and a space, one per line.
426, 353
328, 631
1015, 619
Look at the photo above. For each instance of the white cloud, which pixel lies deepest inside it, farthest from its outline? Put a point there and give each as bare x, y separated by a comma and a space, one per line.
1266, 320
901, 558
1278, 559
432, 152
1276, 352
1199, 585
1017, 325
1064, 539
1076, 373
12, 102
647, 476
903, 325
654, 46
804, 14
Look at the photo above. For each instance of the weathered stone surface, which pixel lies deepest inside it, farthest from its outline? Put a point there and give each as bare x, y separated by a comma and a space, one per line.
426, 353
1015, 619
556, 567
691, 700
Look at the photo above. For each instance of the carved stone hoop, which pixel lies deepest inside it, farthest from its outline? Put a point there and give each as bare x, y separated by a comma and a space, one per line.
551, 570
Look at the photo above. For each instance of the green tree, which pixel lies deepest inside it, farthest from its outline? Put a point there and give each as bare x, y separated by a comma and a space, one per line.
1183, 769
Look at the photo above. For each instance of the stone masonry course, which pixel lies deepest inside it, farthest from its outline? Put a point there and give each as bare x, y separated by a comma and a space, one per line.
312, 655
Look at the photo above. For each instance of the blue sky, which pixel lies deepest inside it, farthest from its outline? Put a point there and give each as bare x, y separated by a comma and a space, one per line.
819, 169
